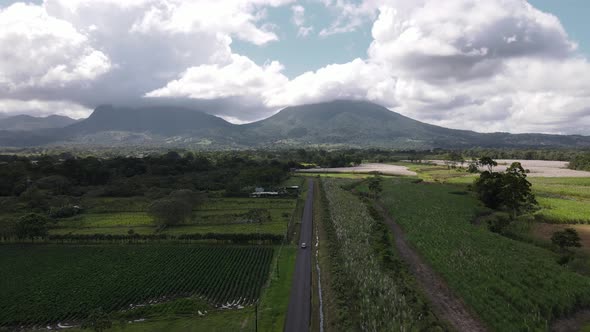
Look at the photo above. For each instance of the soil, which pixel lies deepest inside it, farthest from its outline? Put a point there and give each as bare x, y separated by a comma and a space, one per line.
537, 168
573, 323
445, 303
365, 169
544, 231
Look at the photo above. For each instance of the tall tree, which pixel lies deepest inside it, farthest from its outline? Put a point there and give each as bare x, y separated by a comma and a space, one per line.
31, 225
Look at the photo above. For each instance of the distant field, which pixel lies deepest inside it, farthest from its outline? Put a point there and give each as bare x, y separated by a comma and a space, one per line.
538, 168
83, 278
562, 199
217, 215
513, 286
364, 168
556, 210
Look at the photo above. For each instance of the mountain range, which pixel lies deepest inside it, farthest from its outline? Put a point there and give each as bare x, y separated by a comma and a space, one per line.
27, 123
340, 123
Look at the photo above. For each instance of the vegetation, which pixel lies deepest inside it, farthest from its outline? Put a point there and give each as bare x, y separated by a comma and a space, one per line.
371, 287
580, 162
169, 211
31, 226
567, 238
512, 286
509, 190
138, 274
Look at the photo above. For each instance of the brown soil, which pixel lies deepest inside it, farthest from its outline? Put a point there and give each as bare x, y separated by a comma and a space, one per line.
573, 323
444, 302
544, 232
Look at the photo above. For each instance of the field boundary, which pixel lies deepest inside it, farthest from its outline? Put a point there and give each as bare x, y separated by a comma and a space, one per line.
444, 302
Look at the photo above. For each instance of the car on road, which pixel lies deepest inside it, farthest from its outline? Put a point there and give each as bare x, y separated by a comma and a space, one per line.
303, 245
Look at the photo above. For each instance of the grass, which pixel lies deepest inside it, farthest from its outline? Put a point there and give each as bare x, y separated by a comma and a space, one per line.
562, 200
512, 286
566, 211
83, 278
275, 299
218, 215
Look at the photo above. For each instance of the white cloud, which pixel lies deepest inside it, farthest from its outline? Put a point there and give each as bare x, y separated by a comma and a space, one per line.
38, 50
484, 65
298, 20
240, 77
43, 108
487, 66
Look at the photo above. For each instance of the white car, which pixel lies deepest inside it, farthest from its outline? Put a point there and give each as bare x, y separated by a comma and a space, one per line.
303, 245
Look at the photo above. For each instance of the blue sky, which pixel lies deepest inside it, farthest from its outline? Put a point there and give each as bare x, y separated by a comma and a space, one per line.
344, 47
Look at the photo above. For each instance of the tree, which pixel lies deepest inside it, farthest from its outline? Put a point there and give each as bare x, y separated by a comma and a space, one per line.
31, 225
510, 190
258, 216
34, 198
375, 185
98, 321
169, 211
190, 197
488, 162
566, 239
516, 192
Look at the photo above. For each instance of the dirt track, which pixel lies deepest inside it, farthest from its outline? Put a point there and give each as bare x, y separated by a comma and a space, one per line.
538, 168
448, 306
365, 168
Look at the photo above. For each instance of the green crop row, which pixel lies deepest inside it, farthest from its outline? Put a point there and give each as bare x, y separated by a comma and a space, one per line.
513, 286
378, 300
44, 284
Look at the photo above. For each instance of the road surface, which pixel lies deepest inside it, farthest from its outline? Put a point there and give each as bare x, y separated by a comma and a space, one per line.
299, 311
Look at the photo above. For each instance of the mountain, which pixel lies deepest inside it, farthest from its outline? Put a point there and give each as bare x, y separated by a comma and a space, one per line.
365, 124
29, 123
165, 121
341, 123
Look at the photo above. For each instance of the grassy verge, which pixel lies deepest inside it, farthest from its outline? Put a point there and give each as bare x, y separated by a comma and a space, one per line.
275, 298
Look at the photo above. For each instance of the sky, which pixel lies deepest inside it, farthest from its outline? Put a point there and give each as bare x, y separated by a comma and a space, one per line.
503, 65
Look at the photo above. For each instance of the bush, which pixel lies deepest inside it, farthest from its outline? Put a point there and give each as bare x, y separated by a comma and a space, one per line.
64, 211
498, 222
168, 211
566, 239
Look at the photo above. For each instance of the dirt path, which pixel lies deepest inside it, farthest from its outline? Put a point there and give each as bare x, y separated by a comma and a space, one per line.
572, 323
444, 302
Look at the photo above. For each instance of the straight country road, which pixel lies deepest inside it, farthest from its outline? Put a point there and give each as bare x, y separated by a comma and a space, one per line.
299, 311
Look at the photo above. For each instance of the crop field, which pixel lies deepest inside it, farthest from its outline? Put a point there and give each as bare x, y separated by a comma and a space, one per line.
564, 211
512, 286
562, 199
381, 302
83, 278
217, 215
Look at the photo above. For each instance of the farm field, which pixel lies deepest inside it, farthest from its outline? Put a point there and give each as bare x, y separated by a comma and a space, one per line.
538, 168
562, 199
386, 169
271, 312
512, 286
369, 279
216, 215
35, 277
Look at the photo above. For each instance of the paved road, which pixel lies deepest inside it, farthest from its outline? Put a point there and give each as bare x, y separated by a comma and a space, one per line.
299, 311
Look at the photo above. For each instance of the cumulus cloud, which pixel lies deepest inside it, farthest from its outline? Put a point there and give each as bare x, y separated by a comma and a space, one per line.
485, 65
41, 51
505, 66
108, 51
